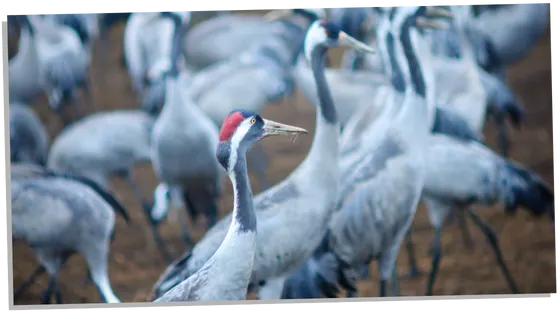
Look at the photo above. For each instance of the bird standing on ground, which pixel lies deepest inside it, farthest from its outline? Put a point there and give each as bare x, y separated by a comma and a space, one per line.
226, 275
184, 142
76, 215
147, 49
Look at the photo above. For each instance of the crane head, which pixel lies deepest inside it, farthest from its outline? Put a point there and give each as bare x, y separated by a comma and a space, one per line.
329, 34
241, 129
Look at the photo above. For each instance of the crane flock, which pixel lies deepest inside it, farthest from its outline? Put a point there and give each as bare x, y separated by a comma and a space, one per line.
400, 123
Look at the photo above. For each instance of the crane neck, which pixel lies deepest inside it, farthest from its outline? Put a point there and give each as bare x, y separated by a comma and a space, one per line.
175, 44
324, 151
326, 105
233, 159
243, 212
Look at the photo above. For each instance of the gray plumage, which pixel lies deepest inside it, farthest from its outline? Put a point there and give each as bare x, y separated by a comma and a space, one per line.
29, 141
225, 36
251, 79
103, 144
463, 174
70, 206
303, 201
24, 68
147, 50
184, 149
380, 192
63, 59
227, 273
508, 32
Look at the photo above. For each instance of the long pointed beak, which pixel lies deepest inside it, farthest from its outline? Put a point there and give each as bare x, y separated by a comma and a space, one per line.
272, 128
277, 14
351, 42
427, 23
438, 12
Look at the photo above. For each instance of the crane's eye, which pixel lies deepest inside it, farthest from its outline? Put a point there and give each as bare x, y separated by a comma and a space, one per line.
253, 121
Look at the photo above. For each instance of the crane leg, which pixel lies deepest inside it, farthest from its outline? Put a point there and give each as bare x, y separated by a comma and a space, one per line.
436, 255
414, 271
467, 239
193, 211
51, 289
493, 240
19, 291
147, 211
382, 288
395, 287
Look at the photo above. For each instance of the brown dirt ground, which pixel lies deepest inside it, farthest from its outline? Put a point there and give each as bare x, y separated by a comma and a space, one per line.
528, 244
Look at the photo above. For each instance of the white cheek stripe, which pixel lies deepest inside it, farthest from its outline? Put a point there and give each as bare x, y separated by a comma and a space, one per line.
238, 135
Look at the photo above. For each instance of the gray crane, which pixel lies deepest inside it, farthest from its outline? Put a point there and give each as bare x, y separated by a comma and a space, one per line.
379, 194
506, 33
226, 275
59, 214
29, 140
62, 63
24, 68
107, 144
462, 174
224, 36
147, 49
303, 201
184, 144
258, 76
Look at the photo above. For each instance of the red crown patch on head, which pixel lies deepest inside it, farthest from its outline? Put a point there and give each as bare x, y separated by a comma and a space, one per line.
230, 123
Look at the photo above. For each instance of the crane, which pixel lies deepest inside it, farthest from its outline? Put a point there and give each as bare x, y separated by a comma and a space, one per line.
506, 33
462, 174
380, 193
184, 142
302, 202
147, 49
226, 275
76, 216
107, 144
29, 140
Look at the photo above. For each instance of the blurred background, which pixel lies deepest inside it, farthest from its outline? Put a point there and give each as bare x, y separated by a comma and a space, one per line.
135, 264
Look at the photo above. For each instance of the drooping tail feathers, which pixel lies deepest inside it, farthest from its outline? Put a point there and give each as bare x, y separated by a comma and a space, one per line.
502, 101
527, 189
173, 275
107, 196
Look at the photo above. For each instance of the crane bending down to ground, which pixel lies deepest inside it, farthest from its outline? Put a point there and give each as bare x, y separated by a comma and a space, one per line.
379, 194
117, 141
29, 140
226, 275
76, 216
181, 132
147, 47
301, 204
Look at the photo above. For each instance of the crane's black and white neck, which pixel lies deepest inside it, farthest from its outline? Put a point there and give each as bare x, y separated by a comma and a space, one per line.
226, 275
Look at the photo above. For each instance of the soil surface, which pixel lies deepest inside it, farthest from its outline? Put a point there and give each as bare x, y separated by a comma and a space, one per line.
135, 263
